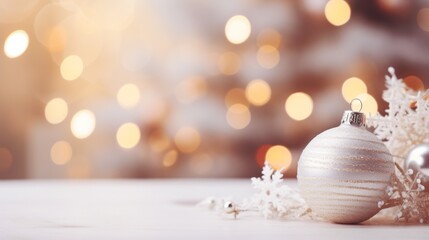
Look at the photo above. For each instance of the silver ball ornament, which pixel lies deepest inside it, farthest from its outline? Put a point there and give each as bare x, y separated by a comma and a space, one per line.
229, 207
418, 161
344, 171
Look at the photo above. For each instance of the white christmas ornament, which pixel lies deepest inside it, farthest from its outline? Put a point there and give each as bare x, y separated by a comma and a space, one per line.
344, 171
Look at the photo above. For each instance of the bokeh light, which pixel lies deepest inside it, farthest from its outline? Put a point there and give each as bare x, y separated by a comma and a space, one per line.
229, 63
258, 92
61, 152
238, 116
187, 139
299, 106
369, 104
6, 159
279, 157
56, 110
71, 67
423, 19
337, 12
169, 158
414, 83
352, 88
234, 96
128, 135
128, 96
145, 70
268, 56
16, 44
238, 29
83, 124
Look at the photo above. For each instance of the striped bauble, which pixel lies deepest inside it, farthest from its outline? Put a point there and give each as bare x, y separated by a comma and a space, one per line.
344, 171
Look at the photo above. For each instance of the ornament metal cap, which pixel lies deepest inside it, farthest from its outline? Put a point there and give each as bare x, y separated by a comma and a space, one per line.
353, 118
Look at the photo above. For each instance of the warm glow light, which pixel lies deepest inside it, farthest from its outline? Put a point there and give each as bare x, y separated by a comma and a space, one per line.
268, 56
279, 157
128, 96
170, 158
6, 159
238, 116
269, 37
16, 44
71, 67
299, 106
56, 110
128, 135
82, 124
187, 139
61, 152
369, 104
238, 29
337, 12
423, 19
353, 87
258, 92
414, 83
229, 63
191, 89
158, 141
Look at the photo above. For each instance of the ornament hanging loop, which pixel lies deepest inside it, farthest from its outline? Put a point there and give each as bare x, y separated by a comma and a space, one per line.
356, 99
353, 118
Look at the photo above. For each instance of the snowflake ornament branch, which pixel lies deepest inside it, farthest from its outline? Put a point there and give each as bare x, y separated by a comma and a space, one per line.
406, 122
273, 199
407, 192
405, 125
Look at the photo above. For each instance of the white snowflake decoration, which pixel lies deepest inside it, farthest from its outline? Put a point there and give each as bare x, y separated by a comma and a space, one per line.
274, 199
403, 126
407, 192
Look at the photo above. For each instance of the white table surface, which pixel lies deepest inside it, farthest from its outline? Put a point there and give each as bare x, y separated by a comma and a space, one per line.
157, 209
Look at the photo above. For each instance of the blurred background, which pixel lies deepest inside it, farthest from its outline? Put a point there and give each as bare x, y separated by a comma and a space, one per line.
150, 88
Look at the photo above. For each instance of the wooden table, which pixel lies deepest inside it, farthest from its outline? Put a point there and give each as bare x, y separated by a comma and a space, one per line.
156, 209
